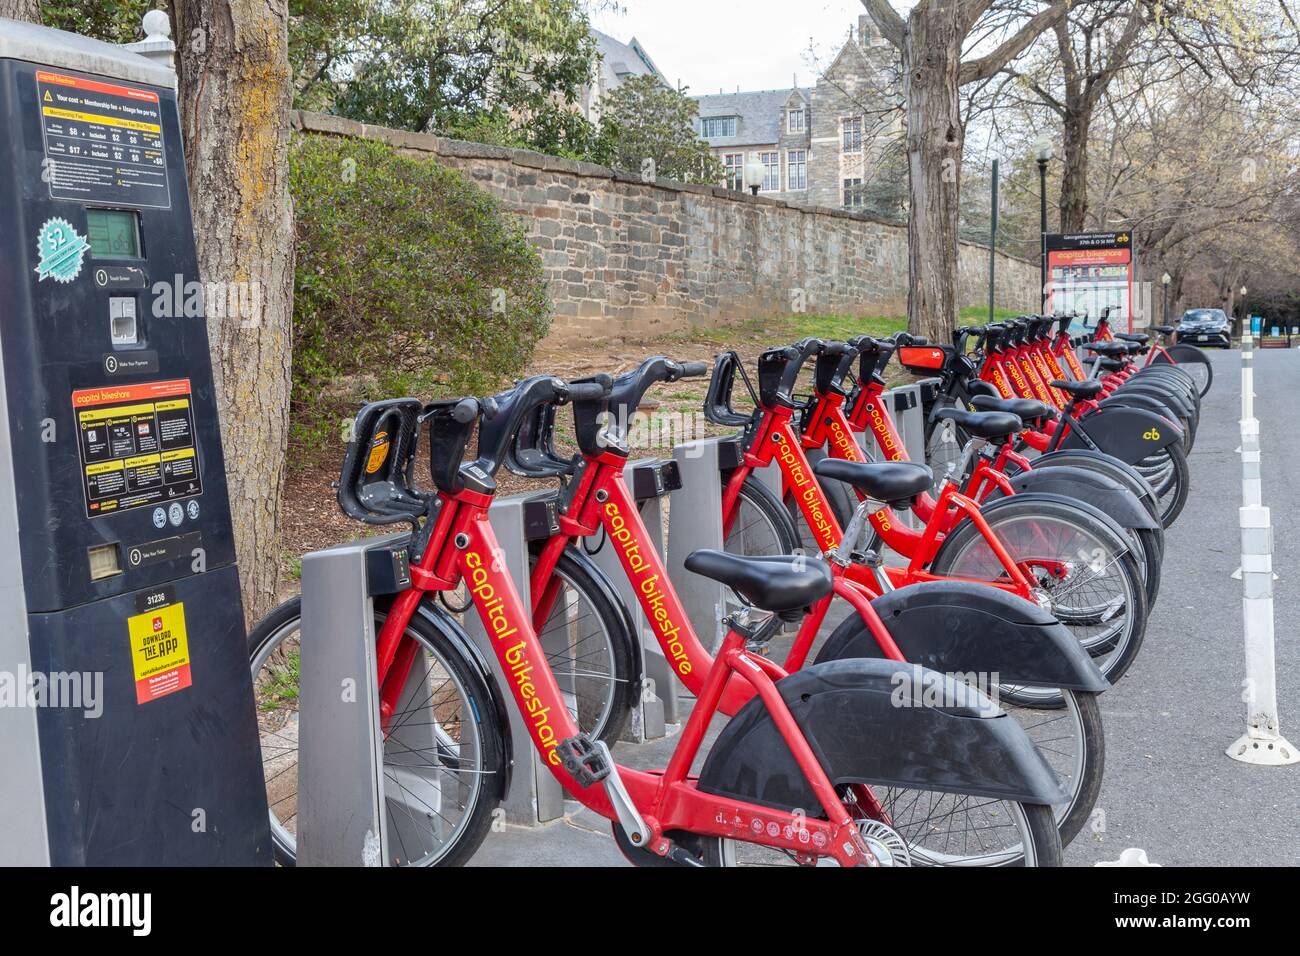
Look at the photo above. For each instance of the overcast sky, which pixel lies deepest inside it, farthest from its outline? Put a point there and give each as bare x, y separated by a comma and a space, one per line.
721, 44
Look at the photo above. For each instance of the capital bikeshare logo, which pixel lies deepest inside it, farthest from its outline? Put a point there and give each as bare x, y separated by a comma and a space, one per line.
646, 578
884, 434
809, 497
518, 662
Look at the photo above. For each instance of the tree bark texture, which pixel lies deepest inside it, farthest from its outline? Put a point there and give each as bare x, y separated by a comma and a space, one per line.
935, 137
235, 96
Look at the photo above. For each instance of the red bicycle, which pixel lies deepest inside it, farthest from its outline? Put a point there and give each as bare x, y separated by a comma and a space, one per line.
1041, 548
802, 771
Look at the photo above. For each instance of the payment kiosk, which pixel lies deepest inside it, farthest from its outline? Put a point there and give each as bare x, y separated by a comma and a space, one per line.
128, 734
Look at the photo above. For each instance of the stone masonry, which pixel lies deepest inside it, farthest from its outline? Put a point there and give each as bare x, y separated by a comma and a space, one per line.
626, 258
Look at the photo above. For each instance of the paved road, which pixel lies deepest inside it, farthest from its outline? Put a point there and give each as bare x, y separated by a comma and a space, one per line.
1169, 788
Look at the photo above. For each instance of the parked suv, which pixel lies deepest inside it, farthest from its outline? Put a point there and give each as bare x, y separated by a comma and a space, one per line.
1205, 327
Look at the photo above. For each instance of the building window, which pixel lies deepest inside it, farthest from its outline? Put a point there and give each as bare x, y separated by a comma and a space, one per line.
735, 166
711, 127
852, 128
771, 172
796, 169
794, 121
853, 193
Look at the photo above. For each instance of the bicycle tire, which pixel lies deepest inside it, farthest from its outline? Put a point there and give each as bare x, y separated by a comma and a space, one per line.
625, 673
767, 507
1122, 644
481, 709
1085, 774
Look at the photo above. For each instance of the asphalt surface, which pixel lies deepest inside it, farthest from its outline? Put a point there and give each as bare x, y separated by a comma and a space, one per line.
1169, 788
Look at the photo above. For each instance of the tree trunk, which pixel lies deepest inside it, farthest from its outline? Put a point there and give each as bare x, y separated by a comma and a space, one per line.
29, 10
235, 98
935, 136
1074, 174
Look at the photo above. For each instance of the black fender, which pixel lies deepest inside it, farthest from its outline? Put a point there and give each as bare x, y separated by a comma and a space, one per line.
1137, 484
1124, 432
957, 627
1166, 405
879, 722
1105, 494
1173, 396
436, 616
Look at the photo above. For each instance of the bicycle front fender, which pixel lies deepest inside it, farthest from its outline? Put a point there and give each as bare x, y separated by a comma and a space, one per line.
881, 723
1092, 487
438, 617
958, 627
1127, 433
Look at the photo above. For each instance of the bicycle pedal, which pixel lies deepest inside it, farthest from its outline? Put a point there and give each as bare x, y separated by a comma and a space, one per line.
584, 760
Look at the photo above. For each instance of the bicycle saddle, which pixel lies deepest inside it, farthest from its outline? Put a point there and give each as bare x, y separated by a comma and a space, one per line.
1140, 338
770, 582
1111, 364
984, 424
1025, 409
1162, 329
1112, 349
1088, 388
893, 482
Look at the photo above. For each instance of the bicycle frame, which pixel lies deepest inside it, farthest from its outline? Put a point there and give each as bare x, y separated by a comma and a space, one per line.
601, 499
775, 439
463, 548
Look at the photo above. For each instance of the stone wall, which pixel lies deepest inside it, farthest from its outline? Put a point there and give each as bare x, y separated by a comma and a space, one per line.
627, 258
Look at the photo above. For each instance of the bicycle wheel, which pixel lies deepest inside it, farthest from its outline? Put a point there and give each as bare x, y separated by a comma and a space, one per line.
1167, 472
762, 525
590, 647
925, 828
444, 750
1064, 724
1194, 362
1083, 571
944, 442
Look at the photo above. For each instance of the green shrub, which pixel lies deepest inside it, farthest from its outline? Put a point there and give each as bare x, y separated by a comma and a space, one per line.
410, 280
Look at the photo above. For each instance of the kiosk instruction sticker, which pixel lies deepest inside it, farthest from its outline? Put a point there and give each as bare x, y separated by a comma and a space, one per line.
137, 445
103, 142
160, 652
61, 250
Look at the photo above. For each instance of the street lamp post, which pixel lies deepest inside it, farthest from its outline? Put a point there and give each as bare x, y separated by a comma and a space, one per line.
1043, 156
1164, 281
754, 173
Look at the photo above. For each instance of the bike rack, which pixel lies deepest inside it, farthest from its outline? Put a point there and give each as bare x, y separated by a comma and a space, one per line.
341, 814
695, 522
535, 796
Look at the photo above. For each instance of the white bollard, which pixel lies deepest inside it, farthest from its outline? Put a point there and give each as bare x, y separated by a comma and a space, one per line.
1262, 743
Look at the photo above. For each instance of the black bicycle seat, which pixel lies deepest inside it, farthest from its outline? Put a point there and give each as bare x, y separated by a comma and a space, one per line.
1141, 338
1088, 388
1025, 409
1108, 348
984, 424
1162, 329
1107, 364
893, 482
770, 582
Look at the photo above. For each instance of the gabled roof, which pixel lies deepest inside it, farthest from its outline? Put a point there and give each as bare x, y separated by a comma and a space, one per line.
761, 114
620, 60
